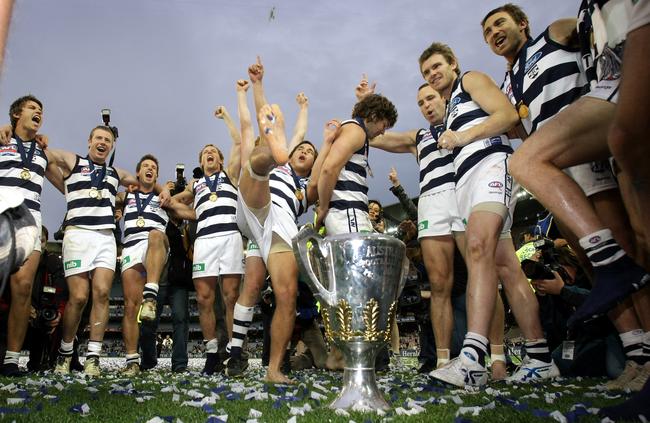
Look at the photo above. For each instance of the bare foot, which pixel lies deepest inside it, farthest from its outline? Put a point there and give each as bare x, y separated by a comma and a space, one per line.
277, 377
499, 371
271, 122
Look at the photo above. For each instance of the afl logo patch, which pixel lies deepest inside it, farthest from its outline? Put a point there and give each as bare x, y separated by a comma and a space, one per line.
495, 184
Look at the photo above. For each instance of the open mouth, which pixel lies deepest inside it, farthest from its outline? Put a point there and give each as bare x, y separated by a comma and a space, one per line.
148, 174
36, 119
499, 41
101, 148
210, 159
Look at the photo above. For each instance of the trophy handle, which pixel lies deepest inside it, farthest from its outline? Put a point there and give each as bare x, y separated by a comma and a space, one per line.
406, 264
301, 243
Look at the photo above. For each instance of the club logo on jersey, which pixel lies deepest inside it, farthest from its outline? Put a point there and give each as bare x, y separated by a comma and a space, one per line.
532, 61
8, 150
533, 72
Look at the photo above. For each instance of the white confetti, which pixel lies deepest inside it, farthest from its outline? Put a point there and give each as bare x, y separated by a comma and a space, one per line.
254, 414
341, 412
292, 419
316, 396
15, 400
176, 397
558, 417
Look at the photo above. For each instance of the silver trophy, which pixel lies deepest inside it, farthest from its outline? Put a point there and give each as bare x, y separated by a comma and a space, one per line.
358, 279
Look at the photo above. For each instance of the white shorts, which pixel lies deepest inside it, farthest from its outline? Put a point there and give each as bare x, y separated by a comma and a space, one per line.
86, 249
438, 214
487, 182
607, 90
277, 221
347, 221
593, 177
135, 254
640, 15
219, 255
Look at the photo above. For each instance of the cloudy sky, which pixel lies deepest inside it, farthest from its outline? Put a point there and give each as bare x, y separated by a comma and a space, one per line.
162, 66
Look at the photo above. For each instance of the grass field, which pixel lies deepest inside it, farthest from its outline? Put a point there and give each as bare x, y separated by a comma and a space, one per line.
160, 396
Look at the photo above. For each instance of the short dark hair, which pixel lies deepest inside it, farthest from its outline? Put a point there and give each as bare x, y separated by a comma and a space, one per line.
442, 49
516, 13
375, 202
103, 128
301, 143
426, 84
147, 157
17, 106
375, 107
45, 232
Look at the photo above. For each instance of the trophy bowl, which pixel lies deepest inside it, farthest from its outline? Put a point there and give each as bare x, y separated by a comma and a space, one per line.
357, 278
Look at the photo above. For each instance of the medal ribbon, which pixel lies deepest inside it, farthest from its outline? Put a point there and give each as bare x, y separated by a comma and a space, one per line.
96, 179
212, 185
517, 84
141, 206
24, 155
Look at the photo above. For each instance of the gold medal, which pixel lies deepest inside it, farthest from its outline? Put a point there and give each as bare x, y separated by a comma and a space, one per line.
522, 109
140, 222
299, 195
25, 174
213, 196
93, 193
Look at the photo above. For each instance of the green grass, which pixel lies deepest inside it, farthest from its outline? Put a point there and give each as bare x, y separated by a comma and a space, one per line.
49, 398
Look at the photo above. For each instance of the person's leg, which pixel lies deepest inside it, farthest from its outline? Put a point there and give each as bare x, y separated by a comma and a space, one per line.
102, 279
205, 297
181, 326
496, 336
18, 319
438, 254
78, 291
230, 293
284, 276
573, 136
628, 133
255, 273
154, 262
132, 284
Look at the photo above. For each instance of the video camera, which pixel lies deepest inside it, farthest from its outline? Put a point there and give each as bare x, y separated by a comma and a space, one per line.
47, 310
543, 269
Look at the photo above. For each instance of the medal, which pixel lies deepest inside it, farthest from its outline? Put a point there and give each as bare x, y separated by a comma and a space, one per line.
299, 195
94, 193
26, 157
96, 180
213, 196
140, 222
522, 109
25, 174
141, 206
212, 186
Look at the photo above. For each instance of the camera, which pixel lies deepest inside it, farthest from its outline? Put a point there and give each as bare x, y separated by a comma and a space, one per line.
180, 183
543, 269
47, 311
106, 118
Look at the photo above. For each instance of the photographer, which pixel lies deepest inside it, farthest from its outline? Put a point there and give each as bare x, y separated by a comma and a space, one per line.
561, 286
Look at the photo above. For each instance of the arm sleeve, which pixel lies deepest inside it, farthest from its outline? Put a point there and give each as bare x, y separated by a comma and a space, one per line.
406, 202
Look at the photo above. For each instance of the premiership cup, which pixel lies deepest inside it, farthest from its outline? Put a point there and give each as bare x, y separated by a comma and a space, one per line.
357, 278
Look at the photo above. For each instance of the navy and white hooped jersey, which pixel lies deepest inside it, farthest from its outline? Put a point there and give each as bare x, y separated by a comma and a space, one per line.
436, 165
154, 216
546, 77
83, 210
11, 167
215, 218
351, 189
463, 113
288, 190
602, 30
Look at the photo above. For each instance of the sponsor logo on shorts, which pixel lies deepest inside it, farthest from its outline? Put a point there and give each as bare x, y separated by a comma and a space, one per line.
465, 222
253, 246
495, 184
198, 267
126, 260
72, 264
423, 225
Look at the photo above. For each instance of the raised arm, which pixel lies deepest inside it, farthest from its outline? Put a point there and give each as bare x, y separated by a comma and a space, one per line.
396, 142
222, 113
180, 210
331, 131
300, 130
565, 32
350, 140
245, 123
233, 165
256, 74
187, 195
364, 88
502, 114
